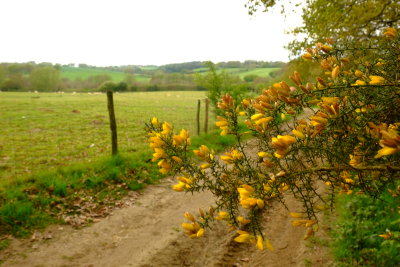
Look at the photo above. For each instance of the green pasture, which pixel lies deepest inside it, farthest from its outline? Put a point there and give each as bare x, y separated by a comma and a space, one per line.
42, 131
73, 73
242, 72
150, 67
262, 72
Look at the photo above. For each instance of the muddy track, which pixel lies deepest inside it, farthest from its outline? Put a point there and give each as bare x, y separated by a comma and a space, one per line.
148, 233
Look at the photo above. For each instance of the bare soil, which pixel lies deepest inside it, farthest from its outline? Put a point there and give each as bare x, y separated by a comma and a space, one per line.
147, 232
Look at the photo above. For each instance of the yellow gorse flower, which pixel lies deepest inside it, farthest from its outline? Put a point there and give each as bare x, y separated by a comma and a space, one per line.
223, 124
263, 154
248, 202
390, 142
307, 56
281, 144
358, 83
260, 242
222, 215
242, 220
159, 153
193, 229
230, 157
203, 152
376, 80
156, 142
155, 122
335, 72
390, 32
165, 166
298, 134
244, 237
181, 139
296, 214
359, 73
183, 183
167, 128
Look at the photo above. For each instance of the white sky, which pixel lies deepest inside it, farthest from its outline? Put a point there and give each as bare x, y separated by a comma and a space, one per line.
139, 32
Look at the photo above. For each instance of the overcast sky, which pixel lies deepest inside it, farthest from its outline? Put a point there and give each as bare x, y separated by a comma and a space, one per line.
139, 32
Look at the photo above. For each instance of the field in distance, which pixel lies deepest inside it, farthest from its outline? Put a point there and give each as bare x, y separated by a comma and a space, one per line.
73, 73
47, 130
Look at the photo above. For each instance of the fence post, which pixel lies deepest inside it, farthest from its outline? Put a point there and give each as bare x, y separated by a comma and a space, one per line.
206, 117
198, 116
113, 124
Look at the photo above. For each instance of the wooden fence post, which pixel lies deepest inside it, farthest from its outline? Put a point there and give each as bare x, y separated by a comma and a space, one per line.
198, 116
113, 124
206, 116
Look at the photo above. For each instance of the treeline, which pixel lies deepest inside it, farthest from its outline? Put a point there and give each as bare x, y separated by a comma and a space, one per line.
198, 66
43, 77
48, 77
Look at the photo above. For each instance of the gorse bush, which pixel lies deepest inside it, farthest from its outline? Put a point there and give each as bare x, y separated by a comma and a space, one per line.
342, 136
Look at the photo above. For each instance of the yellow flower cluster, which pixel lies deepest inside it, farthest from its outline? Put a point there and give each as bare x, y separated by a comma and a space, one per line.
193, 229
390, 141
309, 224
376, 80
281, 143
246, 237
246, 199
226, 103
330, 105
222, 216
231, 157
372, 79
183, 183
319, 122
259, 122
158, 142
223, 124
346, 184
203, 153
389, 137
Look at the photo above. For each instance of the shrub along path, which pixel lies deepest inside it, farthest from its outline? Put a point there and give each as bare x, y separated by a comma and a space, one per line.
147, 232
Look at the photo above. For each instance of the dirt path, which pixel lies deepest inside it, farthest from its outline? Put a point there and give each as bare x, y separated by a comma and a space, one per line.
148, 233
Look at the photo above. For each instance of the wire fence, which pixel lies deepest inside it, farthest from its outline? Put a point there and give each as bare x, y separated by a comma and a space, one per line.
48, 130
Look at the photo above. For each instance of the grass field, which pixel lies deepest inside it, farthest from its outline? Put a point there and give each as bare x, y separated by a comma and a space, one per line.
242, 72
262, 72
73, 73
48, 130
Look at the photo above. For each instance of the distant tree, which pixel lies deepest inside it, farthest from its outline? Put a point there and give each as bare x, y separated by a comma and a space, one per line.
96, 80
129, 79
45, 79
182, 67
107, 86
3, 73
58, 67
121, 87
219, 83
250, 78
115, 87
14, 82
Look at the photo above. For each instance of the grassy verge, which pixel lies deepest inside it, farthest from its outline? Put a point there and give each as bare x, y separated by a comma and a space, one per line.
368, 230
80, 189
